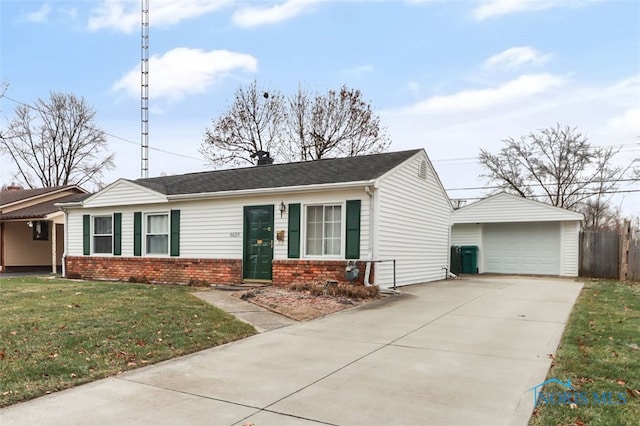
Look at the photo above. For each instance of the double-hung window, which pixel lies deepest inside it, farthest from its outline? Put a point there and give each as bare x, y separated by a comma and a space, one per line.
324, 230
103, 234
157, 233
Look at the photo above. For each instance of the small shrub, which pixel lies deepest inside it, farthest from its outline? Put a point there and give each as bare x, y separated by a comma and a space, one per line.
299, 287
338, 290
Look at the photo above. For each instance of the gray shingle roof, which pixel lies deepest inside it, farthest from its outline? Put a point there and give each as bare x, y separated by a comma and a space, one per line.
326, 171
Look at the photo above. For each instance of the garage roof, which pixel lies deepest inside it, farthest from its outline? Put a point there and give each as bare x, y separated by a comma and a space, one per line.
504, 207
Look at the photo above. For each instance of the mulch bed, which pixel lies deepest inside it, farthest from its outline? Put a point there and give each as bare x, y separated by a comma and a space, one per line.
298, 305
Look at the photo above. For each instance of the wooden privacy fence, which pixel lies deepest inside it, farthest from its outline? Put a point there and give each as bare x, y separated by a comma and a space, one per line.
610, 254
629, 254
599, 254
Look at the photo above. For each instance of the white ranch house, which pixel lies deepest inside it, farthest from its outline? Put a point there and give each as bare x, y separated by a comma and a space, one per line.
278, 223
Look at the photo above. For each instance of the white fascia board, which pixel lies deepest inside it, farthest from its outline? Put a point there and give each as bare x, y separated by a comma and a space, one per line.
54, 215
69, 205
270, 191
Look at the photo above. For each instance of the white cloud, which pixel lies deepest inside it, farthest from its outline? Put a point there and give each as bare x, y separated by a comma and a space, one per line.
626, 123
40, 15
183, 71
252, 16
125, 15
516, 90
512, 58
608, 113
493, 8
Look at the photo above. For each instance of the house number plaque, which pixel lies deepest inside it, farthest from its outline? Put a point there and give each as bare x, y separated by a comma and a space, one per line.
234, 234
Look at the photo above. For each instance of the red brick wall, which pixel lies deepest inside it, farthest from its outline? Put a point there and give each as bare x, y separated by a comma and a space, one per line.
291, 271
211, 271
161, 270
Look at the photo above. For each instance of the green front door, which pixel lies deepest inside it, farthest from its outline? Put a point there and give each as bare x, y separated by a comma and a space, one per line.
258, 243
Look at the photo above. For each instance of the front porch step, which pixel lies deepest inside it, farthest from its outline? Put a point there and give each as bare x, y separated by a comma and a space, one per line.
242, 286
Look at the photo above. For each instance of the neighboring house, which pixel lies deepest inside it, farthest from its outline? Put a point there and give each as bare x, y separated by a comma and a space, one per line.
31, 227
280, 223
516, 235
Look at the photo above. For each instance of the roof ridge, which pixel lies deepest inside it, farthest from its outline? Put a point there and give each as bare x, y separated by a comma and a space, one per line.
302, 173
274, 165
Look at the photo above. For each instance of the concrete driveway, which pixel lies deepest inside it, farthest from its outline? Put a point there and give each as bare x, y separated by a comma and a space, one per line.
448, 353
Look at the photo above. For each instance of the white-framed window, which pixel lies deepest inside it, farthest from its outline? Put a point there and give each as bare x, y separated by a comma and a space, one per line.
323, 230
103, 234
157, 233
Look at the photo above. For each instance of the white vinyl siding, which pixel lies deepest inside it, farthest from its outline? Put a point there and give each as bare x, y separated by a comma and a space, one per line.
413, 225
124, 193
212, 229
570, 248
522, 248
466, 234
510, 208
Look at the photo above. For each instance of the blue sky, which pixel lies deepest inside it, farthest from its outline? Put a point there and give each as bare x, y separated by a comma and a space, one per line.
448, 76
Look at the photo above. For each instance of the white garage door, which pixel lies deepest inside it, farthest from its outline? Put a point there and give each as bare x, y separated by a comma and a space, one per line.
522, 248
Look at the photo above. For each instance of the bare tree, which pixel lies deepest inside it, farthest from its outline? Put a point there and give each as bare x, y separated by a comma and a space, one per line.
294, 144
300, 128
56, 142
559, 166
253, 123
335, 124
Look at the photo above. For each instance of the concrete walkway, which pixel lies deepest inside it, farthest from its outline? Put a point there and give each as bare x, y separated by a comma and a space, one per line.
447, 353
262, 319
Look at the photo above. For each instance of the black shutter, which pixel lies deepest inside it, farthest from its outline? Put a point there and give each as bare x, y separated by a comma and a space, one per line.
174, 240
86, 234
352, 246
293, 251
117, 234
137, 234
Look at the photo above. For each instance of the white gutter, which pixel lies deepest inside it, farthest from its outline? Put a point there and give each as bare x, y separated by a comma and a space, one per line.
268, 191
69, 204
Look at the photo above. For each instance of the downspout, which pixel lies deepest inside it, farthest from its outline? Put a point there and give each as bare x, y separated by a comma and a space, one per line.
367, 269
66, 243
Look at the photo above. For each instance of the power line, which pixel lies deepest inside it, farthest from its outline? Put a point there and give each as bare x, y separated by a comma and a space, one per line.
107, 133
626, 191
471, 160
473, 188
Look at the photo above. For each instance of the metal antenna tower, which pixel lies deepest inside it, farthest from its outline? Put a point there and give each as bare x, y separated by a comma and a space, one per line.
144, 92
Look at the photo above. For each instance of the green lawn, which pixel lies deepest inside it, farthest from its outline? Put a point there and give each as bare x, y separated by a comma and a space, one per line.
56, 334
600, 354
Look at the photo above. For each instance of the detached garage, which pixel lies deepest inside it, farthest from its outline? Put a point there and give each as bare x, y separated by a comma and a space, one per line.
515, 235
